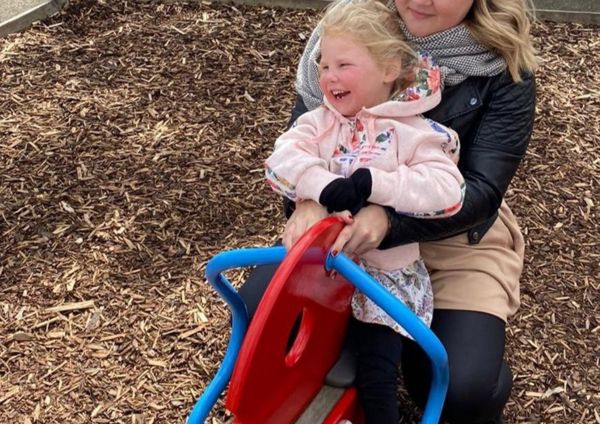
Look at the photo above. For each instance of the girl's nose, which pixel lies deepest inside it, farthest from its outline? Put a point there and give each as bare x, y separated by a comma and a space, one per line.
331, 76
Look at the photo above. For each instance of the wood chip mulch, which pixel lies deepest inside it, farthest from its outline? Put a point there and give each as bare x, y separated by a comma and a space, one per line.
132, 136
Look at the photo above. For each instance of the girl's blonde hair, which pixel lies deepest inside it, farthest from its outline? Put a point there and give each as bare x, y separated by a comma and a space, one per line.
503, 26
372, 24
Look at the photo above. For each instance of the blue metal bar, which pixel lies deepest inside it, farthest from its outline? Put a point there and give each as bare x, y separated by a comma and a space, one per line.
221, 262
410, 322
355, 275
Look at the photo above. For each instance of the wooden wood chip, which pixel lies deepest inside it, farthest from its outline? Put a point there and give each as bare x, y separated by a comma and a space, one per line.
9, 394
72, 306
132, 144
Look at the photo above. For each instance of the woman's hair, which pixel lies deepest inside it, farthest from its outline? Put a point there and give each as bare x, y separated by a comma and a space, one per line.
372, 24
503, 27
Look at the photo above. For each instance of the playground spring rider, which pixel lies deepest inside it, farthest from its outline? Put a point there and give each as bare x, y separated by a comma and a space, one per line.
279, 362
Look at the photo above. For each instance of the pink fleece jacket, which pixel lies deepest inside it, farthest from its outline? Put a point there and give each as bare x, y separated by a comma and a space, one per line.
412, 161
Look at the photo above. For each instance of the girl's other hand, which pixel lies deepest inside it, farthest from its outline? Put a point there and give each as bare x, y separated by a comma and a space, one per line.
363, 232
307, 213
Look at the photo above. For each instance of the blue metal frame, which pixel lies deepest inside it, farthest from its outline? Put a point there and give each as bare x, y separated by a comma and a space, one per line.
222, 262
355, 275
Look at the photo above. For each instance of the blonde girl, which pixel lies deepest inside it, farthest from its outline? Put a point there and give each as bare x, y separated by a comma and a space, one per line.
369, 144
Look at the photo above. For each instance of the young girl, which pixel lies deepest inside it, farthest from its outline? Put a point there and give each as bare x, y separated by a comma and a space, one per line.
368, 143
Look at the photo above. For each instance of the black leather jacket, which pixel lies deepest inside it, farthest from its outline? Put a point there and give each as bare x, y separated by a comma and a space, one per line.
494, 118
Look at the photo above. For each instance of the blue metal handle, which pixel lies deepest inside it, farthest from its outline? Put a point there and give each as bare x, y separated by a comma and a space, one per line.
410, 322
222, 262
355, 275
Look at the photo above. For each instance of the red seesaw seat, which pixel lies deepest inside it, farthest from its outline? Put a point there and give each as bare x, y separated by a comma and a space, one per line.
294, 338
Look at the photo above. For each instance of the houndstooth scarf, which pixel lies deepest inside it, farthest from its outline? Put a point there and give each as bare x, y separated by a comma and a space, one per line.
455, 50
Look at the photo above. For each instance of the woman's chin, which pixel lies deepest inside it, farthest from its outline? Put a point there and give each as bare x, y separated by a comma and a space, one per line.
418, 30
418, 27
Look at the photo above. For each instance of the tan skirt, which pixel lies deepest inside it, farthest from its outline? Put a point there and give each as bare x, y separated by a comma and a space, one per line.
480, 277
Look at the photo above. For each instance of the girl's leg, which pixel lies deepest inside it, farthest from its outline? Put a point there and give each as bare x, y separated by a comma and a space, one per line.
480, 380
379, 350
255, 286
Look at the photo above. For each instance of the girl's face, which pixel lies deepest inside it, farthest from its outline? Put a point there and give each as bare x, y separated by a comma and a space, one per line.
426, 17
349, 76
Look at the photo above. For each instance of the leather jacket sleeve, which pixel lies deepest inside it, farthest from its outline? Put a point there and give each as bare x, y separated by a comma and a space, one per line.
488, 165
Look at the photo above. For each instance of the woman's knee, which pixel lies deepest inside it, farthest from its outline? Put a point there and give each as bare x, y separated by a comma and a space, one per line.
480, 380
476, 397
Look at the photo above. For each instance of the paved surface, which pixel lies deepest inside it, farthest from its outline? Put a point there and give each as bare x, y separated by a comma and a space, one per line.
569, 5
582, 11
16, 15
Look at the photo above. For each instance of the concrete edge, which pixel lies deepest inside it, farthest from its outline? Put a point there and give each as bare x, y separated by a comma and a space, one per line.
285, 4
25, 19
590, 18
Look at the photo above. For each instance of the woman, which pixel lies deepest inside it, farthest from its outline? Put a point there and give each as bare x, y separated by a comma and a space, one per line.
474, 257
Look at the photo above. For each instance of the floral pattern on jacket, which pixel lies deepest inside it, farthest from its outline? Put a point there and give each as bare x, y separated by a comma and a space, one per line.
427, 80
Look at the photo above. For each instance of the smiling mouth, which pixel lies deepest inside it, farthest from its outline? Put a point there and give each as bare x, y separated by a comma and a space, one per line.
338, 94
419, 14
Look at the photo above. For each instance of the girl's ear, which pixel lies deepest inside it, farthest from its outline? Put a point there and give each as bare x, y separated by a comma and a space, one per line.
393, 70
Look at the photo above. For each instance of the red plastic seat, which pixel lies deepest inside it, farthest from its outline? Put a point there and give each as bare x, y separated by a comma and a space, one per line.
279, 370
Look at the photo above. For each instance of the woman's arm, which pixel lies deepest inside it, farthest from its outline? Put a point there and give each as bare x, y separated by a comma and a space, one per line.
488, 164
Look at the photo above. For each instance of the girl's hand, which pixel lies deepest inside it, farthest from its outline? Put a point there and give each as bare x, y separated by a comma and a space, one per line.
364, 232
307, 213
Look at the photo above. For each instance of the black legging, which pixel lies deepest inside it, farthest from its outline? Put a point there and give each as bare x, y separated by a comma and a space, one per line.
379, 351
480, 380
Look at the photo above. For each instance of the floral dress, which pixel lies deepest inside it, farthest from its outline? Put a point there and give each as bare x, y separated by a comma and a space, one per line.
410, 284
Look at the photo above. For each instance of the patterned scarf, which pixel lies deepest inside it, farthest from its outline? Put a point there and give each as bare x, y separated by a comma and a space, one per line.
455, 50
458, 54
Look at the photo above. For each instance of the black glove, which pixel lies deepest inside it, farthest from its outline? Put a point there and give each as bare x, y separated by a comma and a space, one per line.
348, 193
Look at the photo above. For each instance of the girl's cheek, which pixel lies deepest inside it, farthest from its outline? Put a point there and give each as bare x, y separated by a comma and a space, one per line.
322, 83
353, 76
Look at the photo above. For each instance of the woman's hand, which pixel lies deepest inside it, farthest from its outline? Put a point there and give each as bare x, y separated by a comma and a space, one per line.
363, 232
307, 213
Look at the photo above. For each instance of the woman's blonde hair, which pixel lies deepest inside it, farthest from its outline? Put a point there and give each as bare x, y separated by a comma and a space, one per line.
372, 24
503, 26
